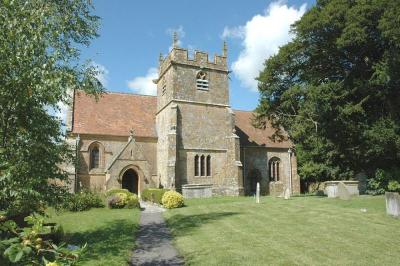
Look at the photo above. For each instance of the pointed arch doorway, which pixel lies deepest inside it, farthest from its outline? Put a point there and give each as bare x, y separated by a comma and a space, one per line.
130, 181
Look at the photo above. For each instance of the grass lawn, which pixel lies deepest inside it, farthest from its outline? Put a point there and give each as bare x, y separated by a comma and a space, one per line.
299, 231
109, 234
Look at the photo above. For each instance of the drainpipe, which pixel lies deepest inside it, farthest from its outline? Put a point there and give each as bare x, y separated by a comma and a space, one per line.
290, 151
77, 141
244, 170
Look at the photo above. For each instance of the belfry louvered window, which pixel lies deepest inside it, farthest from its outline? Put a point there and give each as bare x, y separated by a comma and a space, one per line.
201, 81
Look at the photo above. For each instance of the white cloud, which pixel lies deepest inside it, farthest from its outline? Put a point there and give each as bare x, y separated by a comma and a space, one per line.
102, 74
234, 32
144, 84
59, 111
62, 112
261, 37
179, 30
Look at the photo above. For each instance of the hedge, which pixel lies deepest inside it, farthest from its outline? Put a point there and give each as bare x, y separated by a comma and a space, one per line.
153, 194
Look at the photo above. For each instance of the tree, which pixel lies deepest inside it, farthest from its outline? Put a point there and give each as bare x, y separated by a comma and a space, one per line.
40, 62
335, 88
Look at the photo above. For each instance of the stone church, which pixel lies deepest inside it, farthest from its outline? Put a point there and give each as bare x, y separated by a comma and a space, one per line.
186, 138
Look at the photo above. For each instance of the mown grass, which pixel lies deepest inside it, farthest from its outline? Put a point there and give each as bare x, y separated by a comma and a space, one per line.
299, 231
109, 234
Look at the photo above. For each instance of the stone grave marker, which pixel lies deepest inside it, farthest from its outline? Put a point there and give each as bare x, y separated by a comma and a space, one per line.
342, 191
286, 194
393, 204
258, 193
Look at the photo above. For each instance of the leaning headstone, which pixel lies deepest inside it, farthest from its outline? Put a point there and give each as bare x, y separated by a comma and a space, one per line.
258, 193
393, 204
287, 193
342, 191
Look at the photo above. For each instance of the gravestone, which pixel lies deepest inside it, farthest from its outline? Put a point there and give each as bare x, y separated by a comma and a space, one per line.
197, 191
258, 193
342, 191
362, 182
287, 193
393, 204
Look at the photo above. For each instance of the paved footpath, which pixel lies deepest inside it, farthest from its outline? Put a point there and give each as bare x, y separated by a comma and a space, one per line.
153, 241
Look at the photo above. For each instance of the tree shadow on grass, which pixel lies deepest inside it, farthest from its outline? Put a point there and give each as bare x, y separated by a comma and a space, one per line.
113, 239
183, 224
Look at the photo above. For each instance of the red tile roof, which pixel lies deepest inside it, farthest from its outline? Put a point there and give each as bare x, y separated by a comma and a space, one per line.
251, 136
117, 113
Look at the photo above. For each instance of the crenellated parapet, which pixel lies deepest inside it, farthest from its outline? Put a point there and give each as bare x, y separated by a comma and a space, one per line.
180, 56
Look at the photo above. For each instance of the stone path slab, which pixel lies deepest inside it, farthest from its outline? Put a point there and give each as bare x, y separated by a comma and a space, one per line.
153, 241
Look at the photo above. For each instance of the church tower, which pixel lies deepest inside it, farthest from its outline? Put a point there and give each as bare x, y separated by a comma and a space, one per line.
197, 145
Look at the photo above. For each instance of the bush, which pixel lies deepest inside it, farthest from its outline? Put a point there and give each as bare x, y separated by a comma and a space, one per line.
118, 190
172, 199
117, 201
384, 180
83, 201
132, 202
394, 186
153, 194
122, 198
25, 246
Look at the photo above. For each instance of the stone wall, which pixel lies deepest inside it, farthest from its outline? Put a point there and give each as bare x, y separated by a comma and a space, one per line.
256, 165
110, 148
201, 123
185, 169
203, 126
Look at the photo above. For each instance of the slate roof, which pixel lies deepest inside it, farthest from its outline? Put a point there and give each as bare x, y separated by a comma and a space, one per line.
116, 114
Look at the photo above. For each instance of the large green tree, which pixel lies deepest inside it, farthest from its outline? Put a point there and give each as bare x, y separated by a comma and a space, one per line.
336, 88
39, 63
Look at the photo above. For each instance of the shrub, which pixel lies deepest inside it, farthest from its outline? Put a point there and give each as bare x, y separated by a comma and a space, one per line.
117, 201
26, 246
153, 194
172, 199
83, 201
132, 202
121, 198
394, 186
384, 180
118, 190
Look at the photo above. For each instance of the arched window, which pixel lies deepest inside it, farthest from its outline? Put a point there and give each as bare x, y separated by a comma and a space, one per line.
196, 165
202, 165
208, 165
94, 157
201, 80
274, 169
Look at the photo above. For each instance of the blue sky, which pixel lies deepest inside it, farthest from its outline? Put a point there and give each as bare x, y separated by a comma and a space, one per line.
133, 33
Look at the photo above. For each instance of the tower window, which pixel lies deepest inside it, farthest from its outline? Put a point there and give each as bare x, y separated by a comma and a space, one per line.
164, 89
201, 80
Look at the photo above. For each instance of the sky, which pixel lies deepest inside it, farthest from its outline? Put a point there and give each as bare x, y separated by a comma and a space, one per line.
134, 33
